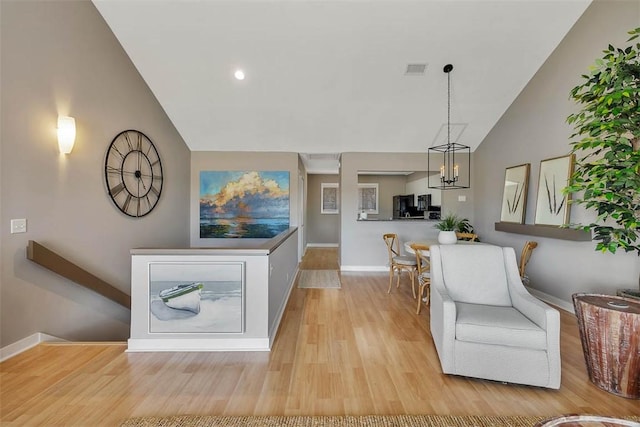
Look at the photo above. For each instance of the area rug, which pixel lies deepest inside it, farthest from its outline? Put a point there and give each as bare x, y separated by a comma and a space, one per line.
337, 421
319, 279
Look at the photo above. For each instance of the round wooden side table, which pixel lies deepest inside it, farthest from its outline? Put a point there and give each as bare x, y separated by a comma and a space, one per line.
610, 333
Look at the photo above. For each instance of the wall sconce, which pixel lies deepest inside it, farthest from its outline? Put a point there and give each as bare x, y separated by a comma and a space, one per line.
66, 134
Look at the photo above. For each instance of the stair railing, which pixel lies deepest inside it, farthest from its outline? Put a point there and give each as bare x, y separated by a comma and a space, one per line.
65, 268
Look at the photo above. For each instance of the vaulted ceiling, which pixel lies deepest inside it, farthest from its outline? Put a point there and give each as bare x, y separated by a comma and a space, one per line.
331, 76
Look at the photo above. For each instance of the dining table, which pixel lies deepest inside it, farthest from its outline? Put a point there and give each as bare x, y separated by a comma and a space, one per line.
430, 242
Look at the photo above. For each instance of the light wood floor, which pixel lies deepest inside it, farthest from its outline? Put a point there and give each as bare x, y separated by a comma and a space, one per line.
355, 350
320, 259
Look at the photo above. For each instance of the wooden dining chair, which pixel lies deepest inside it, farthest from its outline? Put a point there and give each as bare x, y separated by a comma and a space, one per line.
424, 273
472, 237
398, 262
527, 249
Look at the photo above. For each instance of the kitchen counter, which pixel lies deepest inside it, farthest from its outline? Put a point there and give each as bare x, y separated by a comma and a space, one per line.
363, 248
414, 218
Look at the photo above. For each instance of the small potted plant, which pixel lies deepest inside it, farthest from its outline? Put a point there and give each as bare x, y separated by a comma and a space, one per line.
464, 226
448, 226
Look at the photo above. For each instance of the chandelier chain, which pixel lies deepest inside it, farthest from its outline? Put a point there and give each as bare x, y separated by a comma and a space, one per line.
453, 157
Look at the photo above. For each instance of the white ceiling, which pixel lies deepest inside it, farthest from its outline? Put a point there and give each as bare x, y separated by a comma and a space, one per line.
329, 76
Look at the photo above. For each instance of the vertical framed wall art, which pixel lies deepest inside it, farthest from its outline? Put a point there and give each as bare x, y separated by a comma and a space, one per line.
514, 194
368, 198
552, 206
329, 198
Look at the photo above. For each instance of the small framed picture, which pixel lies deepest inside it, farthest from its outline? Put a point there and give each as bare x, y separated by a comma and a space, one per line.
368, 198
514, 194
329, 198
552, 206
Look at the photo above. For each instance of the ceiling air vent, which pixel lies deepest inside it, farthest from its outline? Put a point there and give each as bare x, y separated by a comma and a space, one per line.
415, 69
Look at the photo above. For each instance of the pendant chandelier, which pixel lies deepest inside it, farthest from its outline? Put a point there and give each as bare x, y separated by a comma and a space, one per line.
450, 163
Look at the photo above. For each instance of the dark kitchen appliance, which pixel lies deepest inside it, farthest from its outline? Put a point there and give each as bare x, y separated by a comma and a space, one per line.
424, 201
403, 206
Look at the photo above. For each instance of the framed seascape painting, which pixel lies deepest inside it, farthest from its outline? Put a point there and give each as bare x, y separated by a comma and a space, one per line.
552, 206
243, 204
514, 194
196, 297
329, 196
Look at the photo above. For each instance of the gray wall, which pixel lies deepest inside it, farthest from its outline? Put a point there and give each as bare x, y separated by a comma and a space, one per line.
361, 241
388, 186
61, 58
533, 129
303, 184
321, 228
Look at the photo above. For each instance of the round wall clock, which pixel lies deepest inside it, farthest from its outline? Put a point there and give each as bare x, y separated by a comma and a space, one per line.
133, 172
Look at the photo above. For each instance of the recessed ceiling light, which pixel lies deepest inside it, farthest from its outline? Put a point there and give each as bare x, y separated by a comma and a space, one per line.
239, 75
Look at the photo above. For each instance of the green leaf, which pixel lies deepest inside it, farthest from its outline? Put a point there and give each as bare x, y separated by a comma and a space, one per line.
607, 171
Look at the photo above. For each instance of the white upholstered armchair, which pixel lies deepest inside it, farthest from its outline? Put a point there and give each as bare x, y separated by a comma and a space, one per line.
484, 322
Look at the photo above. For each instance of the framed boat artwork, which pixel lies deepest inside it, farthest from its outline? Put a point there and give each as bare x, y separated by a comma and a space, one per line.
195, 297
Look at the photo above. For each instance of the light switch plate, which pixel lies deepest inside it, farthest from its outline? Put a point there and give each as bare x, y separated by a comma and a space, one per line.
18, 226
462, 198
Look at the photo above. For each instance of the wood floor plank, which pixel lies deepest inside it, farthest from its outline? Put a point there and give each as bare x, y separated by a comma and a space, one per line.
350, 351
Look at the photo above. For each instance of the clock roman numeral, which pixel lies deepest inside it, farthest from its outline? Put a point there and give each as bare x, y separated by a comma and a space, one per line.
126, 137
117, 189
155, 191
118, 151
125, 206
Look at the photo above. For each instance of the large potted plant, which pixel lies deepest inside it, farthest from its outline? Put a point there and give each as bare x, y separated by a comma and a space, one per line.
607, 179
607, 173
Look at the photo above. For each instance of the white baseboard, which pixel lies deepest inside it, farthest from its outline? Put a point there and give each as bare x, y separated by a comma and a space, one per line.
365, 268
323, 245
567, 306
25, 344
196, 344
